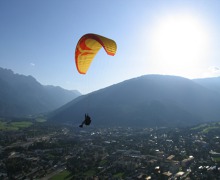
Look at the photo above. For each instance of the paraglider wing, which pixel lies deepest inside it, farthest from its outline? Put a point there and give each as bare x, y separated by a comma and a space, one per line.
88, 46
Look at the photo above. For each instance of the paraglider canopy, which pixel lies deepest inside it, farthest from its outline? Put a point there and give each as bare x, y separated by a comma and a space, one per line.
88, 46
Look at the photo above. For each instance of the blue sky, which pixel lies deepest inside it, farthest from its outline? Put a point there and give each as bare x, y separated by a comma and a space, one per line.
181, 38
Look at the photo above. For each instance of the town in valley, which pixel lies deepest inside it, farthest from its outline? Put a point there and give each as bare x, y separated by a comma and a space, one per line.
44, 150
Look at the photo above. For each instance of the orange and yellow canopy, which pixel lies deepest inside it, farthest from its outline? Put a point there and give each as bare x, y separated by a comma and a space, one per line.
88, 46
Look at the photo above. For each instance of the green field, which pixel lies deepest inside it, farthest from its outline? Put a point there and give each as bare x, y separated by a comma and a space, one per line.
41, 120
119, 175
199, 127
90, 173
62, 175
216, 159
10, 126
206, 128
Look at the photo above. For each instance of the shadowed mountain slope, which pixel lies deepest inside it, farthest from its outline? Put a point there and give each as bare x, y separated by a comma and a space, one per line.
211, 83
151, 100
22, 95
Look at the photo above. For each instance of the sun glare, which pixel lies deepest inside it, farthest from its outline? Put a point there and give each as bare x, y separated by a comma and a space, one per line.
179, 45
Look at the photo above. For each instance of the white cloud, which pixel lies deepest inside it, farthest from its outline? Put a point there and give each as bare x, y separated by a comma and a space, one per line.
32, 64
212, 71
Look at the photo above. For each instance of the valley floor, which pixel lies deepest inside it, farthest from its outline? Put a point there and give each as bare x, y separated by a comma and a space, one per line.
46, 151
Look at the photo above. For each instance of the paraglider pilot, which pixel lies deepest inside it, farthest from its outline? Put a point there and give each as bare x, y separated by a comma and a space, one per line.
86, 121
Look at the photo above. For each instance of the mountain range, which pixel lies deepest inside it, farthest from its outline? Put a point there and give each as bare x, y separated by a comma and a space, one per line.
147, 101
22, 95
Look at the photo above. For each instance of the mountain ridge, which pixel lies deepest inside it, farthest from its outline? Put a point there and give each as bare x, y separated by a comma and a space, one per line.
22, 95
149, 100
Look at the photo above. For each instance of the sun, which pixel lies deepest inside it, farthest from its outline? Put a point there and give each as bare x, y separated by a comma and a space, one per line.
179, 45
